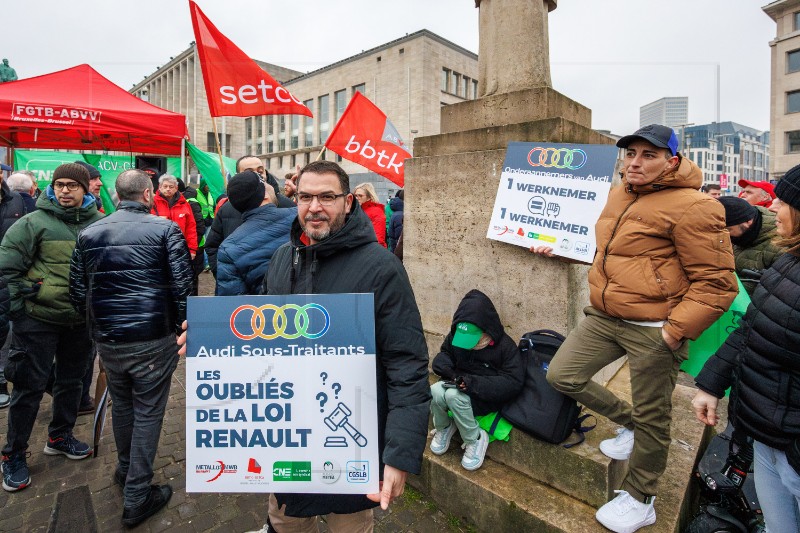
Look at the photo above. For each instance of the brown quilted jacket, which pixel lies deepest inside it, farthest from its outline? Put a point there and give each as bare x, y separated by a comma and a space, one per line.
663, 253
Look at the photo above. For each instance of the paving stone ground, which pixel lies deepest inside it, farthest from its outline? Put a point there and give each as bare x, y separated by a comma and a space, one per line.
30, 510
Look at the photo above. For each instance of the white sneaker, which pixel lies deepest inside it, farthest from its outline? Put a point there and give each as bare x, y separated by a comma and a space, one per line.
441, 439
474, 453
619, 447
625, 514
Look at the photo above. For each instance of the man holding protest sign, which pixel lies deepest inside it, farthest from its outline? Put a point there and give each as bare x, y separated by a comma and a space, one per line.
333, 249
662, 274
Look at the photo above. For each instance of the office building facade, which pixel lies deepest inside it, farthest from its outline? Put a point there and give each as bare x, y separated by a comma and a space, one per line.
672, 111
409, 79
785, 86
727, 152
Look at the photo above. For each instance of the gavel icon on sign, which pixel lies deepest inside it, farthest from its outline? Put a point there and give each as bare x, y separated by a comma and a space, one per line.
339, 419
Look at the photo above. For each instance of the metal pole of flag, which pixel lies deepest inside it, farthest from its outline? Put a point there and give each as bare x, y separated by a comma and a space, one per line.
321, 153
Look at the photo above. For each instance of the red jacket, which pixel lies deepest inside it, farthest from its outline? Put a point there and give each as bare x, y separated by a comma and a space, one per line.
377, 215
181, 214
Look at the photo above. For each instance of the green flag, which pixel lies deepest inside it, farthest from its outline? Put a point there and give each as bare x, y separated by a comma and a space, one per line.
208, 166
709, 342
43, 162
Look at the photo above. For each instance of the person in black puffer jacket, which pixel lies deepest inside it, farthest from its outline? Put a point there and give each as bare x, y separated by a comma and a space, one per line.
482, 368
130, 276
761, 362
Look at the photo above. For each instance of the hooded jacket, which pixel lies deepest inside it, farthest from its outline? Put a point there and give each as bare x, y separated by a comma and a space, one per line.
663, 253
131, 272
754, 250
178, 210
35, 256
493, 375
761, 360
348, 261
243, 258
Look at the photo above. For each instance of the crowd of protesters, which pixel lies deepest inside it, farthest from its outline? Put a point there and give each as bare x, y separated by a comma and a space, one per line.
76, 283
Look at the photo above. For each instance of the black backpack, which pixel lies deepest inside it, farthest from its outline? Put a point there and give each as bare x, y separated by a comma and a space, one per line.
540, 410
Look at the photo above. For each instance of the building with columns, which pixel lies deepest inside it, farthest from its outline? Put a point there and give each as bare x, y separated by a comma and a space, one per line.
785, 86
409, 79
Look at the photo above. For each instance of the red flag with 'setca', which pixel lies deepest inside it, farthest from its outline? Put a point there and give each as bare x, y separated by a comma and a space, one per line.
235, 85
365, 136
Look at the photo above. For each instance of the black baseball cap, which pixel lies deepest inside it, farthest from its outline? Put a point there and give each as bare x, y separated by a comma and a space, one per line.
655, 134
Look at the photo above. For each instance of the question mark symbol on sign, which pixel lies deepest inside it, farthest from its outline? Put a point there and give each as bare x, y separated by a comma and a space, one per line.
322, 398
336, 388
324, 376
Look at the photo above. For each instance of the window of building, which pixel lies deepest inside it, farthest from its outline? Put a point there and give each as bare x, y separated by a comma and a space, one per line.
281, 133
324, 118
793, 102
793, 142
306, 158
338, 158
259, 127
339, 103
378, 59
796, 17
793, 61
270, 127
445, 79
260, 148
270, 146
456, 84
402, 51
293, 161
465, 91
308, 125
248, 128
474, 89
361, 88
212, 145
295, 132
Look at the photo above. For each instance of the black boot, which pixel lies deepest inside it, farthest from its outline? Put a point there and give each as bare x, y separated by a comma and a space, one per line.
156, 500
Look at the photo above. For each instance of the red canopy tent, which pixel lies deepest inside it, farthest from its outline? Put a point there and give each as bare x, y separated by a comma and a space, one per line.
77, 108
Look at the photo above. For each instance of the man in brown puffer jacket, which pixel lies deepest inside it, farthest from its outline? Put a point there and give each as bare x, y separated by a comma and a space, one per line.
663, 273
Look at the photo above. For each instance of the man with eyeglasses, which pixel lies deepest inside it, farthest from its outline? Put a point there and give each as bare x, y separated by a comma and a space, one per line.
333, 249
228, 218
35, 258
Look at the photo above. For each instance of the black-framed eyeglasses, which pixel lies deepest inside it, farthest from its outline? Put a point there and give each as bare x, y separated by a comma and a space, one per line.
326, 199
71, 186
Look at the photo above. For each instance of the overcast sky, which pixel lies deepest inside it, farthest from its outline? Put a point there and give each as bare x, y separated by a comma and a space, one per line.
610, 55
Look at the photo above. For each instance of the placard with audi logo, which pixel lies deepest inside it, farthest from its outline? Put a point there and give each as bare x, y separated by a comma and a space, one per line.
281, 394
552, 195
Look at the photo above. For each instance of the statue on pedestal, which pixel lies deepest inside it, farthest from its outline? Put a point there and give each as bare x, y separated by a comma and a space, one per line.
7, 73
514, 49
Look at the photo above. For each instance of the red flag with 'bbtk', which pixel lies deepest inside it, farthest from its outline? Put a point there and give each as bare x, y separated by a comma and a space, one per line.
365, 136
235, 85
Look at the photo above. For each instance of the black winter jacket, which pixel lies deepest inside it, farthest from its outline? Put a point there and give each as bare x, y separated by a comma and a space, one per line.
12, 208
493, 375
131, 272
352, 261
761, 360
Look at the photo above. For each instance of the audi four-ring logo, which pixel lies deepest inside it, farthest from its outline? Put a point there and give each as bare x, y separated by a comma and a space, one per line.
572, 159
280, 321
